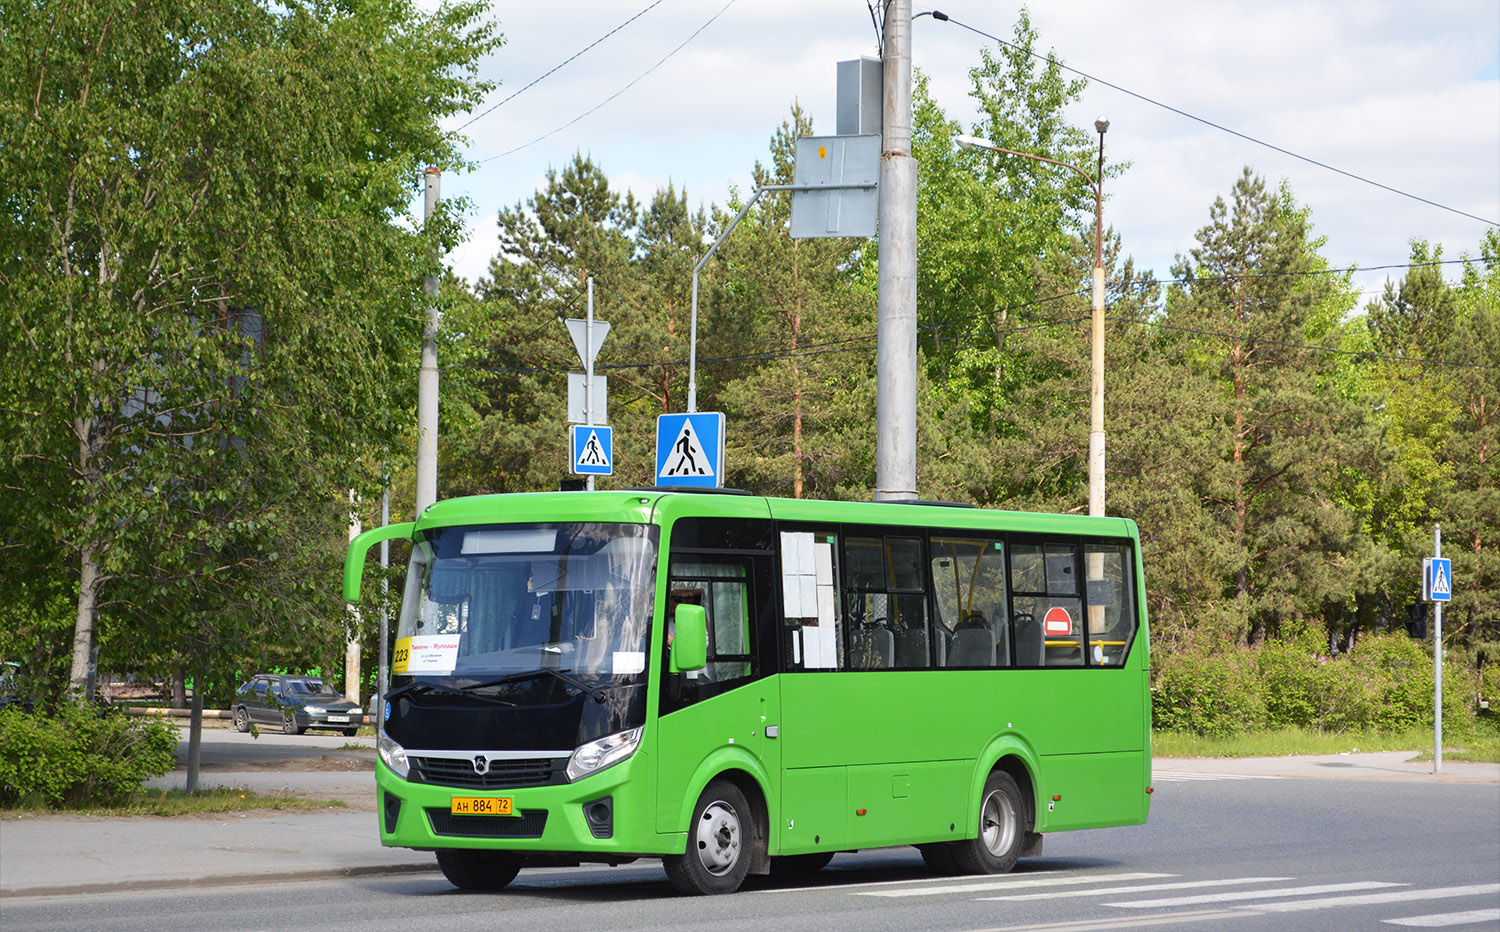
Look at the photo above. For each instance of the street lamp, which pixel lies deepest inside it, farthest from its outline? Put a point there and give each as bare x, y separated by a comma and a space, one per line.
1096, 399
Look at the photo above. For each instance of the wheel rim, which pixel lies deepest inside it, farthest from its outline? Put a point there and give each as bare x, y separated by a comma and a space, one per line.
997, 821
718, 838
240, 721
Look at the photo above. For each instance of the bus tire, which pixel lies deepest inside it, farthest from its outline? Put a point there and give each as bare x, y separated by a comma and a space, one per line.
481, 871
1002, 829
794, 865
718, 843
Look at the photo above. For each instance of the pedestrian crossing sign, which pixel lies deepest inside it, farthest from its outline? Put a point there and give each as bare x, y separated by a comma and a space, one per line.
1437, 579
591, 449
690, 450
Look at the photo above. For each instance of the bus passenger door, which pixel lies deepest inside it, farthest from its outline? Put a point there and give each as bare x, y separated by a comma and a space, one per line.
725, 709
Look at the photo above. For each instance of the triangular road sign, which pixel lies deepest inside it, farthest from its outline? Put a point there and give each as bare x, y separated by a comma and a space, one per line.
592, 448
690, 449
1441, 584
687, 458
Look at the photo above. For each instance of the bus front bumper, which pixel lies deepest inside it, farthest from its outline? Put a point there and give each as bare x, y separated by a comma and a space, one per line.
602, 816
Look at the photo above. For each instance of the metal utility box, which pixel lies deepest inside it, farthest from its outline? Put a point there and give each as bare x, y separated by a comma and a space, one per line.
859, 101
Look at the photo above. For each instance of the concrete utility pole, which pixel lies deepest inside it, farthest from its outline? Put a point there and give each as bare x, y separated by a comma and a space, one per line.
427, 379
896, 321
1096, 391
351, 635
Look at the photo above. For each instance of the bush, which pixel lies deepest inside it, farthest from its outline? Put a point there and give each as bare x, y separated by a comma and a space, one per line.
1213, 695
77, 755
1305, 689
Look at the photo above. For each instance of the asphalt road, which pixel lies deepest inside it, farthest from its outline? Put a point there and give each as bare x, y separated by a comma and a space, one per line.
1241, 853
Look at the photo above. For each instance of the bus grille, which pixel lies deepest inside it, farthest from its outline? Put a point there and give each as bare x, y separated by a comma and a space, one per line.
529, 825
502, 775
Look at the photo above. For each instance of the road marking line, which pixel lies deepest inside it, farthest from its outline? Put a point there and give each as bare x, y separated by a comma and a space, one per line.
1109, 891
1013, 883
1256, 895
866, 884
1438, 920
1174, 776
1132, 922
1370, 899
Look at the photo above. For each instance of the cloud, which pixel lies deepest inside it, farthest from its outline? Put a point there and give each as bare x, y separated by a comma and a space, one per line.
1404, 95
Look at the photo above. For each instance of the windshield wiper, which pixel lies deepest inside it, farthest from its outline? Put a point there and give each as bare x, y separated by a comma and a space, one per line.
421, 687
595, 691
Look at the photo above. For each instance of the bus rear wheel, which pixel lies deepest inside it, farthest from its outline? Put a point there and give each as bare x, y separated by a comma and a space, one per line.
1002, 830
718, 843
482, 871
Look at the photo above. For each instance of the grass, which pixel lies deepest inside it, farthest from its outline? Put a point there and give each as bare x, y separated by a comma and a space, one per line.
1483, 746
181, 803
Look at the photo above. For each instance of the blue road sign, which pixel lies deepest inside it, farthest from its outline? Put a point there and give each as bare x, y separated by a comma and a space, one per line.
1439, 581
592, 450
690, 449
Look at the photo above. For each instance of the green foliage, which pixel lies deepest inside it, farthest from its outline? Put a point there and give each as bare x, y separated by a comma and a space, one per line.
224, 293
1206, 694
1384, 685
76, 756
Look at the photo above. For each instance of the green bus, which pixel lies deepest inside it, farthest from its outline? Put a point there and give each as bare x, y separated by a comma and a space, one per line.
738, 684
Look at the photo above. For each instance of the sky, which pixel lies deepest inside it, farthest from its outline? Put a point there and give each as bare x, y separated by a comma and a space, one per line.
1402, 93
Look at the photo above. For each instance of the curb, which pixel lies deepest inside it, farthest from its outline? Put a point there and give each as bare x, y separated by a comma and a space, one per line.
178, 883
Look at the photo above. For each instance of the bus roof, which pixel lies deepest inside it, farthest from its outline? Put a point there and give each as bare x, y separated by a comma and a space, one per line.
659, 505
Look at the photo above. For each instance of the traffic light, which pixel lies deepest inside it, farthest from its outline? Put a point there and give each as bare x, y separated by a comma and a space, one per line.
1416, 620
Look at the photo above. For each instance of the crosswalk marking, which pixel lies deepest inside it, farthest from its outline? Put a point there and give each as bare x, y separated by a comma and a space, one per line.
1012, 882
1211, 907
1110, 891
1180, 776
1143, 921
1438, 920
1376, 898
1256, 895
919, 882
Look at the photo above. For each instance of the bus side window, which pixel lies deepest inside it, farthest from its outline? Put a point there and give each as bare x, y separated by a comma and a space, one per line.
972, 628
1111, 597
1046, 605
810, 608
886, 599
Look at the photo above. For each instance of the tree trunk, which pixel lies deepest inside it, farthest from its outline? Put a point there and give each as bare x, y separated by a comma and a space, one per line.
83, 627
195, 732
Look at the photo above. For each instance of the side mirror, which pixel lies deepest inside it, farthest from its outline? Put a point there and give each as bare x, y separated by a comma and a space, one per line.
690, 643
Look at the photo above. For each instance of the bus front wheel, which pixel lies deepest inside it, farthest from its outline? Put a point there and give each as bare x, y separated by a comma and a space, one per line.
1002, 830
479, 870
718, 843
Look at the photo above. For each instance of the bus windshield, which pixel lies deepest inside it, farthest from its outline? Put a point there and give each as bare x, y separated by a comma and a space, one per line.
493, 600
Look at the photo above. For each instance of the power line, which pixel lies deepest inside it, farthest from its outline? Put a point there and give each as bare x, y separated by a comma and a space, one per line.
622, 90
943, 17
559, 67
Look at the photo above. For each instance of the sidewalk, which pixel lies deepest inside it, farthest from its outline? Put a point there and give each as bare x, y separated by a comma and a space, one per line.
1374, 765
54, 854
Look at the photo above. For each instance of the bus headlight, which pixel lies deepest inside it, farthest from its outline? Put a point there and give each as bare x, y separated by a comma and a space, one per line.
605, 752
394, 756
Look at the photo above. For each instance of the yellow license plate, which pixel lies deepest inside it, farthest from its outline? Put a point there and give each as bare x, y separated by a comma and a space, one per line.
481, 805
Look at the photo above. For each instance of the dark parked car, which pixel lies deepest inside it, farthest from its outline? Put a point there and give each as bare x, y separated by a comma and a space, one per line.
10, 687
296, 703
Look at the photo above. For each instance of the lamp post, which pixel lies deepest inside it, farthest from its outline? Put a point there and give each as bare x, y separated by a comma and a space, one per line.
1096, 393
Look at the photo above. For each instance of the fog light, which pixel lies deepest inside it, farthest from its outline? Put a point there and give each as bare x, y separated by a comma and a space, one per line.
392, 810
600, 815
